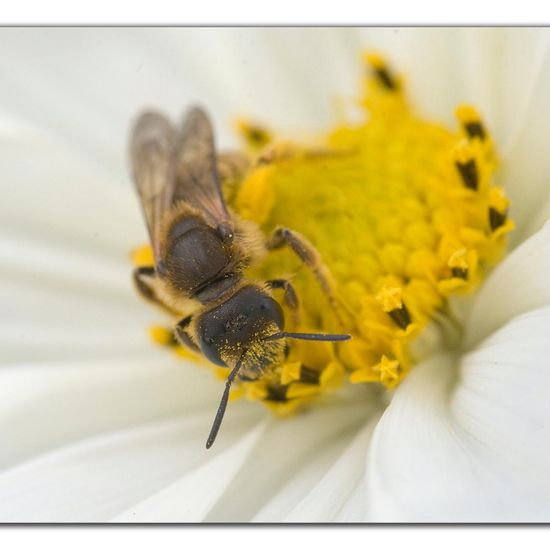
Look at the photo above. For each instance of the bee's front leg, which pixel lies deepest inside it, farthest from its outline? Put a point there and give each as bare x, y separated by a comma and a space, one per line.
183, 337
290, 297
282, 236
309, 255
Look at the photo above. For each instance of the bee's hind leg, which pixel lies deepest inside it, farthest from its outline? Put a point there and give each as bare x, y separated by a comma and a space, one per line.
290, 297
183, 337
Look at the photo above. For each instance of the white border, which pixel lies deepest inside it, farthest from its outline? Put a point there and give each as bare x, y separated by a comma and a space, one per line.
266, 538
274, 12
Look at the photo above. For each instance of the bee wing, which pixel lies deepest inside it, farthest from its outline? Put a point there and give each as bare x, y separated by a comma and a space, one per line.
198, 182
152, 152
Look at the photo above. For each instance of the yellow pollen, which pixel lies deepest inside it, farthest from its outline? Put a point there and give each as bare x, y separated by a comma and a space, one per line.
290, 372
390, 298
256, 137
467, 114
498, 200
404, 213
459, 259
464, 152
142, 256
374, 59
161, 335
388, 369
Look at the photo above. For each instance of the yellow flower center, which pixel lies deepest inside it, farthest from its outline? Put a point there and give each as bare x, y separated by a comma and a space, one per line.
404, 213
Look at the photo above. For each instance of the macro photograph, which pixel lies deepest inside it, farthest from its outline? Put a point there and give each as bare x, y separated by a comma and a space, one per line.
275, 275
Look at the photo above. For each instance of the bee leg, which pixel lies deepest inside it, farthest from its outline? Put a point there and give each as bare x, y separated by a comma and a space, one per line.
290, 297
183, 337
282, 236
309, 255
144, 278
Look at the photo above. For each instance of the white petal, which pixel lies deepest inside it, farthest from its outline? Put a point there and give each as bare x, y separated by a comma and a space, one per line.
51, 314
102, 77
525, 164
54, 197
312, 465
101, 477
66, 236
332, 498
136, 474
518, 284
476, 449
263, 482
190, 498
45, 405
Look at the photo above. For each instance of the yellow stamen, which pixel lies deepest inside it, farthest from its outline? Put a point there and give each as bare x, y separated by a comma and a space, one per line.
161, 335
388, 369
142, 256
471, 122
290, 372
390, 298
255, 136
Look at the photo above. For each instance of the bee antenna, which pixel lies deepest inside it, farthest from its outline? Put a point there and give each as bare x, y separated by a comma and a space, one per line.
223, 403
310, 336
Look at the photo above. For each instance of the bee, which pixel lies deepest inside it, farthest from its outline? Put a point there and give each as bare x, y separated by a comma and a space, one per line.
201, 250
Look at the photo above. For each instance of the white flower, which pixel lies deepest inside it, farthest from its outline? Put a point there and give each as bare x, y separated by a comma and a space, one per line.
96, 424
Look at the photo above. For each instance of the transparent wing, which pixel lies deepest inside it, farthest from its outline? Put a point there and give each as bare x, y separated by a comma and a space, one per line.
198, 182
152, 152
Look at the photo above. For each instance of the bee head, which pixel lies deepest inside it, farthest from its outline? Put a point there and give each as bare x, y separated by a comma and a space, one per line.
246, 334
243, 322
